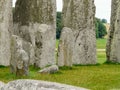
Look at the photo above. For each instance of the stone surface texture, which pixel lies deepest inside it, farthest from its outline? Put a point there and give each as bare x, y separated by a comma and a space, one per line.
5, 30
65, 51
37, 85
1, 84
50, 69
44, 50
20, 56
79, 16
113, 43
29, 17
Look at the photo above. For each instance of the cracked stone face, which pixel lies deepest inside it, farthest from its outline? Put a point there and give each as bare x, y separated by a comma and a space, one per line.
5, 30
29, 16
113, 42
35, 23
21, 56
79, 16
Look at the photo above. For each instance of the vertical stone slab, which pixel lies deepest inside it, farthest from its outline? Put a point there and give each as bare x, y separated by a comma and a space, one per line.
20, 58
79, 15
113, 42
28, 17
44, 50
65, 51
5, 29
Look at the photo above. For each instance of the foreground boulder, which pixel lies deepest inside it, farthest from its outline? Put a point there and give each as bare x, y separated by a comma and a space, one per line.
29, 17
65, 51
50, 70
2, 84
113, 42
79, 16
5, 30
37, 85
20, 56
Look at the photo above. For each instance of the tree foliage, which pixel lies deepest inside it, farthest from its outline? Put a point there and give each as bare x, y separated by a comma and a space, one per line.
104, 21
59, 25
100, 28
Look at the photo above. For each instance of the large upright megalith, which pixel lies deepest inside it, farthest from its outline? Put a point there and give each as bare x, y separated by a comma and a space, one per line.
65, 50
79, 15
113, 43
35, 22
5, 29
21, 55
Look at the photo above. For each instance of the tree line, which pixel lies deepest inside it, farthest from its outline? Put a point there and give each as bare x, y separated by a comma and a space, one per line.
101, 30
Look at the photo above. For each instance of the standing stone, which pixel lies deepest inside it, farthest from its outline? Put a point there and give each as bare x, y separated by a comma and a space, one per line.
65, 51
20, 56
113, 43
44, 51
22, 64
29, 17
5, 29
79, 15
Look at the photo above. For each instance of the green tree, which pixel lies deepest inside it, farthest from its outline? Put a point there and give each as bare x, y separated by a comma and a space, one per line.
96, 27
104, 21
100, 29
59, 25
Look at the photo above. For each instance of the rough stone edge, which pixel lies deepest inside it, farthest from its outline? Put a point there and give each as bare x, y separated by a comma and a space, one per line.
2, 84
37, 82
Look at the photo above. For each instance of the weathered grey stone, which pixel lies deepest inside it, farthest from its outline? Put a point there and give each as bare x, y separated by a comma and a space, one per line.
50, 70
21, 55
113, 43
44, 50
66, 44
5, 29
22, 63
37, 85
79, 15
37, 12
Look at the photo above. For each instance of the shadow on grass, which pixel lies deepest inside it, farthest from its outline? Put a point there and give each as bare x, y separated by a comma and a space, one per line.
98, 64
66, 68
1, 66
111, 63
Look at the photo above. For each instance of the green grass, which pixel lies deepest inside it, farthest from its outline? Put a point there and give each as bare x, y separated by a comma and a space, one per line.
101, 43
101, 57
57, 43
97, 77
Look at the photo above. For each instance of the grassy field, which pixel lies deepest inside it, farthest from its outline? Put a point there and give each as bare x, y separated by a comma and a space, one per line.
101, 55
98, 77
101, 43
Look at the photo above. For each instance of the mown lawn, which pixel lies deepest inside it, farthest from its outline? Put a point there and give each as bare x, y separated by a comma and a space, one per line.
97, 77
101, 43
101, 53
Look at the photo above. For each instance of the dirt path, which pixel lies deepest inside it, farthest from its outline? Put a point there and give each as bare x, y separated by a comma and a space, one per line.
101, 50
